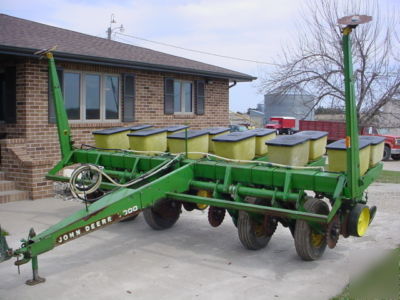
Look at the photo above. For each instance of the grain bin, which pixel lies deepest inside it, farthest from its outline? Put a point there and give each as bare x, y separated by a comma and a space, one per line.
337, 156
263, 135
149, 140
140, 127
236, 145
112, 138
197, 141
291, 150
377, 146
175, 129
214, 132
318, 140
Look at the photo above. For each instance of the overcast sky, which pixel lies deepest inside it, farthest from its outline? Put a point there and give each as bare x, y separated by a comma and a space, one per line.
249, 29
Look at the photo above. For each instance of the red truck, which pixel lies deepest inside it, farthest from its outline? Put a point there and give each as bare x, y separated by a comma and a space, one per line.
283, 125
337, 131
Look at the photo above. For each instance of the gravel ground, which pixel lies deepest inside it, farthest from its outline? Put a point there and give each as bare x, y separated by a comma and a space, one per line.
190, 261
391, 165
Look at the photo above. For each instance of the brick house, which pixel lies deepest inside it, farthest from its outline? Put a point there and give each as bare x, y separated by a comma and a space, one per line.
105, 83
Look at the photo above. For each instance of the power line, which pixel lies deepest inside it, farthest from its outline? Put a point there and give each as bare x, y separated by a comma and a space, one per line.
389, 74
197, 51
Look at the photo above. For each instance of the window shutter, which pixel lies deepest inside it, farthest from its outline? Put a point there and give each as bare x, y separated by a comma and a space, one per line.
128, 114
200, 97
168, 96
51, 110
10, 108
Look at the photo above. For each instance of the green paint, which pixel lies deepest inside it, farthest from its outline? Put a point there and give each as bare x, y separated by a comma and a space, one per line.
230, 183
353, 163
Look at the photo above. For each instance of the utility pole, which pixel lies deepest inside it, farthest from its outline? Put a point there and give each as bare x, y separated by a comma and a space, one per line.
110, 30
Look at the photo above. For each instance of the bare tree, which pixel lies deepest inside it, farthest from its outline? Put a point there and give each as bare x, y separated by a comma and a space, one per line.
315, 61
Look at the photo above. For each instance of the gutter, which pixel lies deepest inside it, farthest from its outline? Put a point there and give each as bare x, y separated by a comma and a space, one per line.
68, 57
233, 84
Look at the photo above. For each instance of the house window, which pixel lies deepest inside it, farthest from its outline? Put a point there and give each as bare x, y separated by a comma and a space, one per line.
72, 89
90, 96
183, 96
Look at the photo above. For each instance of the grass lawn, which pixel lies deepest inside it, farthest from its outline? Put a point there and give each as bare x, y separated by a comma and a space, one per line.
382, 281
389, 177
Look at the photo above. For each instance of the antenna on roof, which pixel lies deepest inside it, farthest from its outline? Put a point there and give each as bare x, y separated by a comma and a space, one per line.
110, 30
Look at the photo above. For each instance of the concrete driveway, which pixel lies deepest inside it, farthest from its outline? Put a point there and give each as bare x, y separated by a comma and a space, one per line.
391, 165
189, 261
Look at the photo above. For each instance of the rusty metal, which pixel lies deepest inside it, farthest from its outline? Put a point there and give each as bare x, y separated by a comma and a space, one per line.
270, 225
333, 232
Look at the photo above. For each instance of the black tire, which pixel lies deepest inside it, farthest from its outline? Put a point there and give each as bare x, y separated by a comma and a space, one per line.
386, 153
309, 245
396, 156
163, 214
252, 234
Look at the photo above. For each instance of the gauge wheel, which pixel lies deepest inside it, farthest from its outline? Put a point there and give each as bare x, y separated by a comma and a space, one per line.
255, 234
310, 245
163, 214
386, 153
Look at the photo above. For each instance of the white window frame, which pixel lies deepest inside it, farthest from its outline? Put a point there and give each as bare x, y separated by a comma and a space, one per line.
183, 112
82, 95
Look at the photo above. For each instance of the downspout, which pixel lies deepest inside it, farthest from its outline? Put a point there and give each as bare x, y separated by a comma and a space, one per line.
233, 84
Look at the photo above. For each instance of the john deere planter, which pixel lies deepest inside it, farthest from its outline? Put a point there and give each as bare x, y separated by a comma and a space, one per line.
257, 194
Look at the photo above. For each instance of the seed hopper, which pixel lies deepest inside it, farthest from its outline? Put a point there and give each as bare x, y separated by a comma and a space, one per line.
117, 185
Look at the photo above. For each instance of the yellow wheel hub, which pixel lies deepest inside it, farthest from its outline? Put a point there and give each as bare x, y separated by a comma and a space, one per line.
363, 221
316, 239
259, 230
203, 193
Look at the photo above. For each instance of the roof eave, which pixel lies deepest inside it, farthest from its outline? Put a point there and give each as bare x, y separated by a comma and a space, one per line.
69, 57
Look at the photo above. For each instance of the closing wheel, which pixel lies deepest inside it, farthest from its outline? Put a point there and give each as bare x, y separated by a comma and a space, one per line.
255, 234
310, 245
359, 220
163, 214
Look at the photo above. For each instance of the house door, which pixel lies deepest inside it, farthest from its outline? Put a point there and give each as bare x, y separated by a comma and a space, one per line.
2, 99
8, 107
2, 104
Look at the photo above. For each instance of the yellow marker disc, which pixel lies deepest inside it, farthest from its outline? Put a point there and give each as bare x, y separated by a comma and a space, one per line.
316, 239
363, 221
203, 193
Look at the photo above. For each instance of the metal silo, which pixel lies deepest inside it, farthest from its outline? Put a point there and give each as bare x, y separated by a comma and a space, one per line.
294, 103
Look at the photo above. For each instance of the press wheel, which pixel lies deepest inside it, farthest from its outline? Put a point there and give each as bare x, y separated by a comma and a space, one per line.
310, 245
163, 214
255, 234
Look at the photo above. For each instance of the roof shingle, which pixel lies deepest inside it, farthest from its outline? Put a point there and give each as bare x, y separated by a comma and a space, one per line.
20, 36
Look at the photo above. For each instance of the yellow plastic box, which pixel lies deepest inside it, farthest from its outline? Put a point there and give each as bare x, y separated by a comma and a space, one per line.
318, 140
149, 140
140, 127
263, 135
377, 146
214, 132
197, 141
112, 138
291, 150
236, 145
175, 129
337, 157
